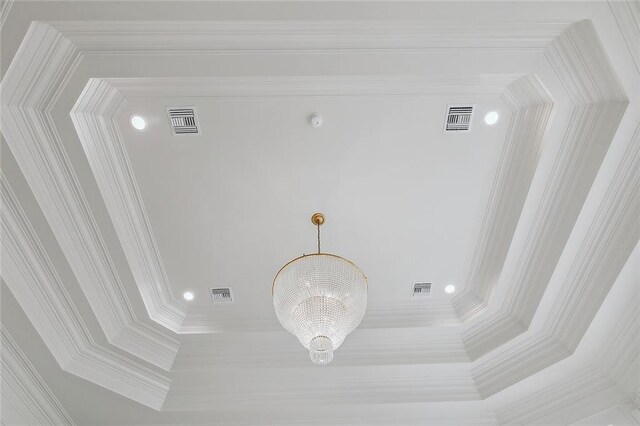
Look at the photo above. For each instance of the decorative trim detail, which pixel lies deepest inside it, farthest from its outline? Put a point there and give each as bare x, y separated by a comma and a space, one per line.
627, 15
26, 398
309, 86
560, 395
28, 93
207, 390
308, 36
574, 55
532, 107
5, 8
32, 279
601, 376
609, 240
600, 105
93, 116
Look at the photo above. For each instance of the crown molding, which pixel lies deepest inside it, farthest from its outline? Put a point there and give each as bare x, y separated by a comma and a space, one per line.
588, 134
627, 16
408, 346
600, 378
623, 343
414, 413
532, 106
308, 86
32, 279
5, 8
612, 232
93, 117
574, 55
582, 150
371, 384
26, 398
27, 94
308, 36
543, 406
630, 406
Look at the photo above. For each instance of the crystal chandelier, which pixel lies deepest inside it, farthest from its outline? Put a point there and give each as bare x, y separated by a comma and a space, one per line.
320, 298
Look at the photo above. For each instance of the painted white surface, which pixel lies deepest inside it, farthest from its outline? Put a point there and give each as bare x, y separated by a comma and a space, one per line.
128, 220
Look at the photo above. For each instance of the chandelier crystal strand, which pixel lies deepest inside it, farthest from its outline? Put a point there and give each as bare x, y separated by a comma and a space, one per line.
320, 298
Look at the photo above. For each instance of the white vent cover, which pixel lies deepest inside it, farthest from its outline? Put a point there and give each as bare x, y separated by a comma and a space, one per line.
421, 290
221, 295
458, 118
183, 120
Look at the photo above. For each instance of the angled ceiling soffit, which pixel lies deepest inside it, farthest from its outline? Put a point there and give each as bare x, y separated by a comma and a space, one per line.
27, 94
531, 108
32, 279
586, 277
26, 397
599, 106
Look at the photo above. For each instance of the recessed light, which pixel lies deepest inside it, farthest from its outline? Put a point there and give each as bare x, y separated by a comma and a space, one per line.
187, 295
491, 117
450, 289
138, 122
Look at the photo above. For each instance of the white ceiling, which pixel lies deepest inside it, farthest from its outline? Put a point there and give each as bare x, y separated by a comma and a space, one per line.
221, 199
534, 219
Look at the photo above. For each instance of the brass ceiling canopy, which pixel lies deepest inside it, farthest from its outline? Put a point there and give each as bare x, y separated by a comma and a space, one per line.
317, 219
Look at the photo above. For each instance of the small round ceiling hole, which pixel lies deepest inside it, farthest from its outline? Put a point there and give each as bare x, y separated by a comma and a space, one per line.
138, 122
450, 289
188, 295
491, 117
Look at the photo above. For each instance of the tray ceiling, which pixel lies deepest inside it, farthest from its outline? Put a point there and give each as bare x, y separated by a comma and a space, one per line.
534, 219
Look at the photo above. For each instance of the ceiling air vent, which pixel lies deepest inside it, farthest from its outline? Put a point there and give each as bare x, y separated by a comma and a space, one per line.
421, 290
221, 295
458, 118
183, 120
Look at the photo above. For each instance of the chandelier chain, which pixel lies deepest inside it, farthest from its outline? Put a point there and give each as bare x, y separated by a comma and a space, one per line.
318, 225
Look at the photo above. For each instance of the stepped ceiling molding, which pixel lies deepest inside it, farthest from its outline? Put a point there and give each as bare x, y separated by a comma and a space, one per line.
599, 105
26, 395
34, 282
97, 249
